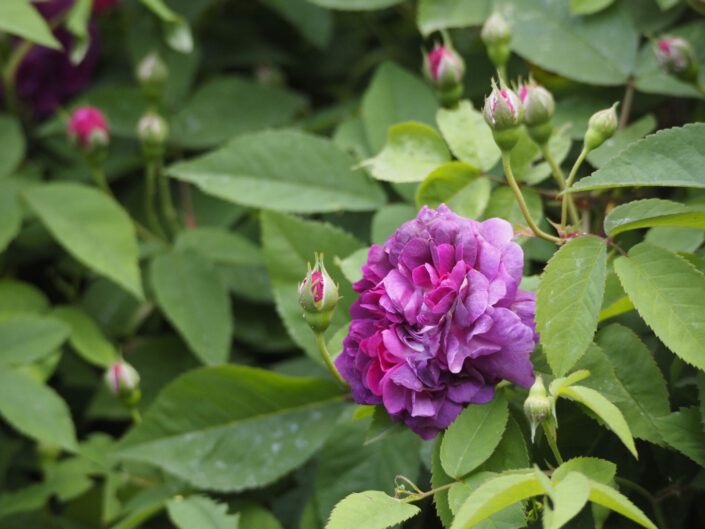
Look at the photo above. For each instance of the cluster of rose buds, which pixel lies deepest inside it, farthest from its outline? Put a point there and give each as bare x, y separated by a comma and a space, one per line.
445, 68
675, 55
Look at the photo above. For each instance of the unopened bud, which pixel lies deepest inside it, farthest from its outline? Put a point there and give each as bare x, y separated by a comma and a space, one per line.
88, 130
601, 127
153, 132
270, 75
444, 67
123, 381
152, 74
675, 56
539, 106
497, 34
503, 113
537, 406
318, 296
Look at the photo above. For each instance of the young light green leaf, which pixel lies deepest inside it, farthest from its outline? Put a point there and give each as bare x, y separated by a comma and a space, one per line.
202, 512
289, 418
16, 296
395, 96
231, 106
468, 136
563, 382
412, 152
496, 494
351, 265
371, 509
569, 496
610, 498
86, 338
220, 246
473, 436
36, 410
283, 170
605, 410
10, 216
568, 301
19, 17
288, 244
94, 228
457, 185
621, 140
588, 7
25, 338
684, 431
434, 15
652, 212
13, 142
594, 468
669, 294
195, 301
672, 158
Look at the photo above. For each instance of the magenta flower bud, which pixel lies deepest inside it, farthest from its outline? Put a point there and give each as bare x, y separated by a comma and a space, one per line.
675, 56
152, 74
537, 406
123, 381
497, 34
440, 320
444, 67
503, 113
153, 132
318, 296
601, 127
88, 129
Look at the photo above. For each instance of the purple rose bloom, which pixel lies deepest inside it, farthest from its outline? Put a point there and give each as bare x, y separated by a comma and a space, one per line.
440, 320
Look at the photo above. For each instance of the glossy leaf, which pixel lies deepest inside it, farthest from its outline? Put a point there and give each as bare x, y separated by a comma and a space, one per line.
652, 212
250, 426
195, 301
568, 301
371, 509
610, 498
457, 185
684, 431
669, 294
468, 136
85, 336
25, 338
92, 227
202, 512
282, 170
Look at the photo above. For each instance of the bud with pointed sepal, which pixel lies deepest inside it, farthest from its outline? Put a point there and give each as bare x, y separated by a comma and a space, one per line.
153, 132
601, 127
537, 406
503, 113
497, 34
318, 296
152, 74
123, 381
88, 129
539, 106
675, 55
445, 68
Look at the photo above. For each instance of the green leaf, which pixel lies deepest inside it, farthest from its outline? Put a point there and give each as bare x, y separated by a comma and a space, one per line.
652, 212
434, 15
473, 436
77, 23
672, 157
412, 151
468, 136
511, 452
457, 185
351, 265
252, 516
92, 227
355, 5
676, 238
288, 244
610, 498
537, 171
511, 517
238, 427
439, 478
177, 32
195, 301
600, 49
594, 468
563, 382
13, 143
621, 140
202, 512
494, 495
10, 216
371, 509
282, 170
388, 219
669, 294
568, 301
220, 246
587, 7
86, 338
224, 108
25, 338
16, 296
312, 22
604, 409
684, 431
394, 96
19, 17
504, 204
569, 496
36, 410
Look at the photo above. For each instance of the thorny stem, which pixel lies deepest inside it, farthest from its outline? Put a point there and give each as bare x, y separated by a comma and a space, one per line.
560, 179
522, 203
167, 201
571, 177
323, 349
626, 104
655, 504
552, 443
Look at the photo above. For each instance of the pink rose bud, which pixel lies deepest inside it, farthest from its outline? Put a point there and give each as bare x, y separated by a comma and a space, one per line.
123, 381
496, 34
539, 106
152, 74
318, 296
537, 406
601, 127
676, 57
503, 113
444, 67
87, 129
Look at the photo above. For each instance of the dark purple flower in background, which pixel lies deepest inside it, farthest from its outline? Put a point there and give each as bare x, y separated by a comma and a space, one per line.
440, 320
